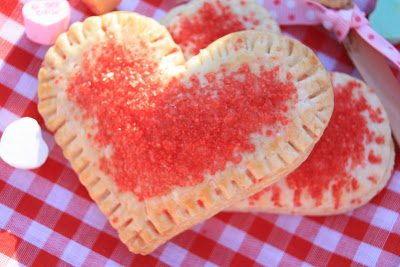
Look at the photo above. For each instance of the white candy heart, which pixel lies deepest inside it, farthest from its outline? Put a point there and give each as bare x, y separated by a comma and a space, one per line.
22, 145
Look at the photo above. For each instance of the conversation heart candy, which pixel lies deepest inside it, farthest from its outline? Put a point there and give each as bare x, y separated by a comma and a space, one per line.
100, 6
45, 19
22, 145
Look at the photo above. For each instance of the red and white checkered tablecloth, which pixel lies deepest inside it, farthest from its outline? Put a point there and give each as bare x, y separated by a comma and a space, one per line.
47, 218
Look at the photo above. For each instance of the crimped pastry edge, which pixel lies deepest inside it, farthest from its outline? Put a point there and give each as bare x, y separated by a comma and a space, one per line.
387, 150
144, 226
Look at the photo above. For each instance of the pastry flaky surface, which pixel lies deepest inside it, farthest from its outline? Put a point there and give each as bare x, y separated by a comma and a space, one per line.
367, 166
80, 79
198, 23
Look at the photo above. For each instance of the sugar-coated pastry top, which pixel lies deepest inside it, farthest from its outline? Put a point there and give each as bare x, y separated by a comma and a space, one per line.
175, 132
341, 148
351, 162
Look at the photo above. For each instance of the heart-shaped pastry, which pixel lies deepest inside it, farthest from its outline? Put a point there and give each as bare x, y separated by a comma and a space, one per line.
351, 163
161, 144
197, 24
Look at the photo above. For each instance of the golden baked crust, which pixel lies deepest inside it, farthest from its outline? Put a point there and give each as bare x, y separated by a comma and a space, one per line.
242, 9
363, 173
144, 225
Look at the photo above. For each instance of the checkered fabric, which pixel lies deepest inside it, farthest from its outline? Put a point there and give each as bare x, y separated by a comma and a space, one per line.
47, 218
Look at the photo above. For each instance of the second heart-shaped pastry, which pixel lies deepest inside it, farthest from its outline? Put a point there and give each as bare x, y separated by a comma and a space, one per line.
161, 144
196, 24
351, 163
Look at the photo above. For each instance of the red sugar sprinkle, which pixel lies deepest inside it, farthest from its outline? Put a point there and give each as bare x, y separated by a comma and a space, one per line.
376, 115
275, 198
380, 140
373, 179
341, 143
163, 136
374, 159
238, 44
212, 21
354, 184
356, 201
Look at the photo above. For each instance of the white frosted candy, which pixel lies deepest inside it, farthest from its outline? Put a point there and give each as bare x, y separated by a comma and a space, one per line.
22, 145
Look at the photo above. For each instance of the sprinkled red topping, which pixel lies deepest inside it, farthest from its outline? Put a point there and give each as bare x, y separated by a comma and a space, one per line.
257, 196
373, 179
275, 198
356, 201
380, 140
376, 115
164, 136
374, 159
354, 184
341, 144
212, 21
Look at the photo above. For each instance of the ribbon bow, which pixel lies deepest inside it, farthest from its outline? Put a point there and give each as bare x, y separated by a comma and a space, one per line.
341, 21
308, 12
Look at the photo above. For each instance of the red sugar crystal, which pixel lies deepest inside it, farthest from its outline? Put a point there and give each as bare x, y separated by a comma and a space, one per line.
380, 140
373, 179
374, 159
